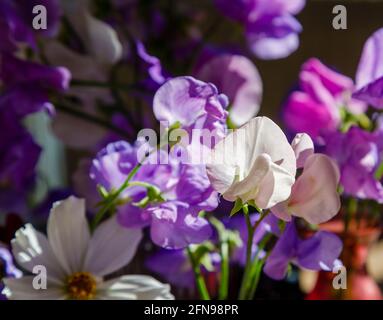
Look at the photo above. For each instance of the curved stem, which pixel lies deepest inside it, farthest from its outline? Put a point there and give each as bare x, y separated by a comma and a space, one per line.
200, 281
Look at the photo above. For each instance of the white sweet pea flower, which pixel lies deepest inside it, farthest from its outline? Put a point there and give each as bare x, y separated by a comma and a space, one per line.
76, 261
255, 162
303, 147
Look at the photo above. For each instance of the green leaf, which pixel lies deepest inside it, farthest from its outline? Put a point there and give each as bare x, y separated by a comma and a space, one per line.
237, 207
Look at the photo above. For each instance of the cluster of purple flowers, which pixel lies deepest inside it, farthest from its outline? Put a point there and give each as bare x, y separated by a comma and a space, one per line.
332, 109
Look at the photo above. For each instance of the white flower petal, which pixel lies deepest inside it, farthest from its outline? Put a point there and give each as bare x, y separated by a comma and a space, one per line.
111, 247
303, 147
235, 159
68, 233
31, 248
135, 287
22, 289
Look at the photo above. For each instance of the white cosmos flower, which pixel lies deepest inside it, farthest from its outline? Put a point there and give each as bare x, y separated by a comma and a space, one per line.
77, 261
255, 162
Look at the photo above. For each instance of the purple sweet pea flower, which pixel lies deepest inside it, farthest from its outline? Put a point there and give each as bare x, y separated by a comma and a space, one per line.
319, 252
369, 75
238, 78
27, 85
315, 108
186, 190
358, 154
271, 29
7, 268
192, 103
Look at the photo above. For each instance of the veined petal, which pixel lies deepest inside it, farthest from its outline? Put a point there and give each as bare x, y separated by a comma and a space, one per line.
135, 287
22, 289
112, 247
31, 248
68, 233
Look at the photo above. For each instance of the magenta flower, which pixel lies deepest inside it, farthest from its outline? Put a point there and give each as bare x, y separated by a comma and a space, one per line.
315, 107
270, 26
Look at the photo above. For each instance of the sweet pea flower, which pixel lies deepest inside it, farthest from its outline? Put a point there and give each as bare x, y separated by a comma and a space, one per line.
255, 162
314, 194
77, 262
318, 252
191, 103
270, 27
174, 223
238, 78
315, 107
303, 147
359, 155
369, 75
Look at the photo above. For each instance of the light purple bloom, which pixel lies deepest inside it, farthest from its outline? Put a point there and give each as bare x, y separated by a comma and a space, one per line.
237, 77
192, 103
358, 154
315, 107
319, 252
369, 75
186, 190
270, 26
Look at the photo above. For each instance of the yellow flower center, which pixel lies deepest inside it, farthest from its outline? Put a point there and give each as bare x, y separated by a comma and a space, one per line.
81, 286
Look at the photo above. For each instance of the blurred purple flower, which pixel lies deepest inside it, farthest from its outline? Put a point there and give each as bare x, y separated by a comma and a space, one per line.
315, 108
7, 268
18, 155
28, 84
192, 103
359, 155
271, 29
16, 22
186, 190
237, 77
369, 75
319, 252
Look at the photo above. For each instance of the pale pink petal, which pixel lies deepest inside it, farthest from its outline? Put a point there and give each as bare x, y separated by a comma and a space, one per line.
314, 195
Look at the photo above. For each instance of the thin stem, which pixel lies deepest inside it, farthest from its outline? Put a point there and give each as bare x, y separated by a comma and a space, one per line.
90, 118
200, 281
110, 201
249, 247
224, 286
107, 85
225, 256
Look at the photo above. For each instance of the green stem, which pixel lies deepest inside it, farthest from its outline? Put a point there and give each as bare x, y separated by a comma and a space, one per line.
200, 281
256, 267
249, 246
113, 196
224, 286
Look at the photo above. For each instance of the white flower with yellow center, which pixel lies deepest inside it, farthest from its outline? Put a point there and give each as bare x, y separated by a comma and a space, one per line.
76, 261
